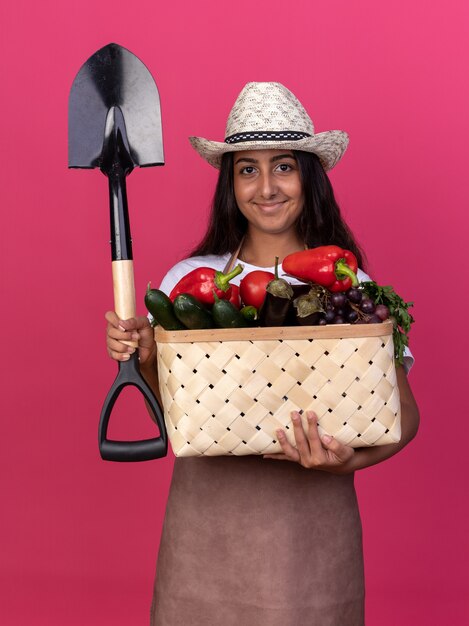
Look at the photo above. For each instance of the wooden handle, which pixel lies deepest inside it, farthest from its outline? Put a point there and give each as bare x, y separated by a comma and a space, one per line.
124, 291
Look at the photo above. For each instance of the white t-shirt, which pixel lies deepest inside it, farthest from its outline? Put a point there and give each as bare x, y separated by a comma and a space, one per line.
219, 263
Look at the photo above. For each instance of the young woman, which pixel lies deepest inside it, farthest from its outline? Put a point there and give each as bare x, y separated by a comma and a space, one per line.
253, 540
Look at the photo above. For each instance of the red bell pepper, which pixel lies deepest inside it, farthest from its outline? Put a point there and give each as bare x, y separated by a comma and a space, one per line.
203, 281
329, 266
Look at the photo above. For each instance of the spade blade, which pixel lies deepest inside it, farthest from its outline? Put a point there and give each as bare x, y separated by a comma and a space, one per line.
114, 77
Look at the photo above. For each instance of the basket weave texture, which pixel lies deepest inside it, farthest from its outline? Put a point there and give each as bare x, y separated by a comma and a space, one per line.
226, 391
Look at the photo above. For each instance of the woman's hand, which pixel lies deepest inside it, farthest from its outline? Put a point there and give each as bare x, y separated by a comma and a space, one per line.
136, 329
311, 450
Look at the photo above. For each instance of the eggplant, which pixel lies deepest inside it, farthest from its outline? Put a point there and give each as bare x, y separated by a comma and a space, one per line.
278, 298
298, 290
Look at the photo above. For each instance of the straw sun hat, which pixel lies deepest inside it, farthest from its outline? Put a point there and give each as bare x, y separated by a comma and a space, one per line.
269, 116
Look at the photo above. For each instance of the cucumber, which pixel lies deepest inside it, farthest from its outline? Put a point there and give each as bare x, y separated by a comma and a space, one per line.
161, 308
191, 312
249, 313
226, 315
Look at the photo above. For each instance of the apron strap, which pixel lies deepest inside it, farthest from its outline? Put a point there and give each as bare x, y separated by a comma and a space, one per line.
233, 257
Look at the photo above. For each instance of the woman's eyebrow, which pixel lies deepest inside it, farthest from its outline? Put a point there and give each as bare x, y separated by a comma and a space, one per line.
279, 157
283, 156
245, 159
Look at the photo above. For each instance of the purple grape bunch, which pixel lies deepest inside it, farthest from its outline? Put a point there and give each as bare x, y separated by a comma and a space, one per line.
353, 307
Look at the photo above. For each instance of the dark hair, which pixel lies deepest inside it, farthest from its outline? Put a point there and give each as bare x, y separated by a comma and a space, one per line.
320, 222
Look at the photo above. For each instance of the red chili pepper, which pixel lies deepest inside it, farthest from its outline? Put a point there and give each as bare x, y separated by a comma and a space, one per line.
329, 266
202, 281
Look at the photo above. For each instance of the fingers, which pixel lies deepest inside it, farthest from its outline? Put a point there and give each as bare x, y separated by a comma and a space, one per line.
137, 324
277, 457
309, 450
301, 454
312, 451
289, 451
302, 443
117, 349
136, 330
111, 318
314, 440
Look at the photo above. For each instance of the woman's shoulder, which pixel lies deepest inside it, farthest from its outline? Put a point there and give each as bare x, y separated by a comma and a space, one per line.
174, 275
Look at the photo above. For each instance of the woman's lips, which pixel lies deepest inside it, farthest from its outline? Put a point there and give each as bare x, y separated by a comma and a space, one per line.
270, 207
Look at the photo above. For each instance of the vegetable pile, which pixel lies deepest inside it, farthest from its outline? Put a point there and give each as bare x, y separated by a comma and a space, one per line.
330, 293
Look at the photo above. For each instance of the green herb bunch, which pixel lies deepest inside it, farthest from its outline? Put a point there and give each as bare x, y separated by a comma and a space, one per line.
399, 312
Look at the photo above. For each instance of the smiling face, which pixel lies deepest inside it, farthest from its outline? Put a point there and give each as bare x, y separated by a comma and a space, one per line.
268, 190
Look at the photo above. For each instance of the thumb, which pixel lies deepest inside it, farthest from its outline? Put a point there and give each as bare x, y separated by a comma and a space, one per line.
146, 332
341, 451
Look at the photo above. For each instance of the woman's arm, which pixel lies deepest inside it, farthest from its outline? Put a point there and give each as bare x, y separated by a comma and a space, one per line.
410, 419
329, 455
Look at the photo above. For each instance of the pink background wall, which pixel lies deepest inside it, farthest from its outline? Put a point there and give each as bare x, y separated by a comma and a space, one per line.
79, 537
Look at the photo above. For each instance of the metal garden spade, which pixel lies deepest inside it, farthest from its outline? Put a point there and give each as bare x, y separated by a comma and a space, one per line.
115, 124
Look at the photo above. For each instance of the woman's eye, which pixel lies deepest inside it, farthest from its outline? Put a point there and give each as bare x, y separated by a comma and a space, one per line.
284, 167
249, 169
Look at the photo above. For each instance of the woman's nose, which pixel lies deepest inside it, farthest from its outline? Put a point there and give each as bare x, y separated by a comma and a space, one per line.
267, 185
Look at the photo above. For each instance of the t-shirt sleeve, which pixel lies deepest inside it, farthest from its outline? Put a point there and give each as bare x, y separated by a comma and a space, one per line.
174, 275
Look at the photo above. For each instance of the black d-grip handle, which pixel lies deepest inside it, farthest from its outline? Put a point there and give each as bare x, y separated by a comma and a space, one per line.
146, 450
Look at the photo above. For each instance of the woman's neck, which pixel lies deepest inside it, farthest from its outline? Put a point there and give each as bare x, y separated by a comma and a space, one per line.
261, 248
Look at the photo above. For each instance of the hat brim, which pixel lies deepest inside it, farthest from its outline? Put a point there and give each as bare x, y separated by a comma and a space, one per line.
328, 146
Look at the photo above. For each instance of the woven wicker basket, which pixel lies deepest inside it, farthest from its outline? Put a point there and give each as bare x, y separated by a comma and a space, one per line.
225, 391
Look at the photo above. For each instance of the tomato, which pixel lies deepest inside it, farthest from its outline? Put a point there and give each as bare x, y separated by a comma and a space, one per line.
252, 287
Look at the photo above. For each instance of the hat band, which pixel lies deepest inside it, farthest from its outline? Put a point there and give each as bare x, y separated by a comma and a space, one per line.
267, 135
